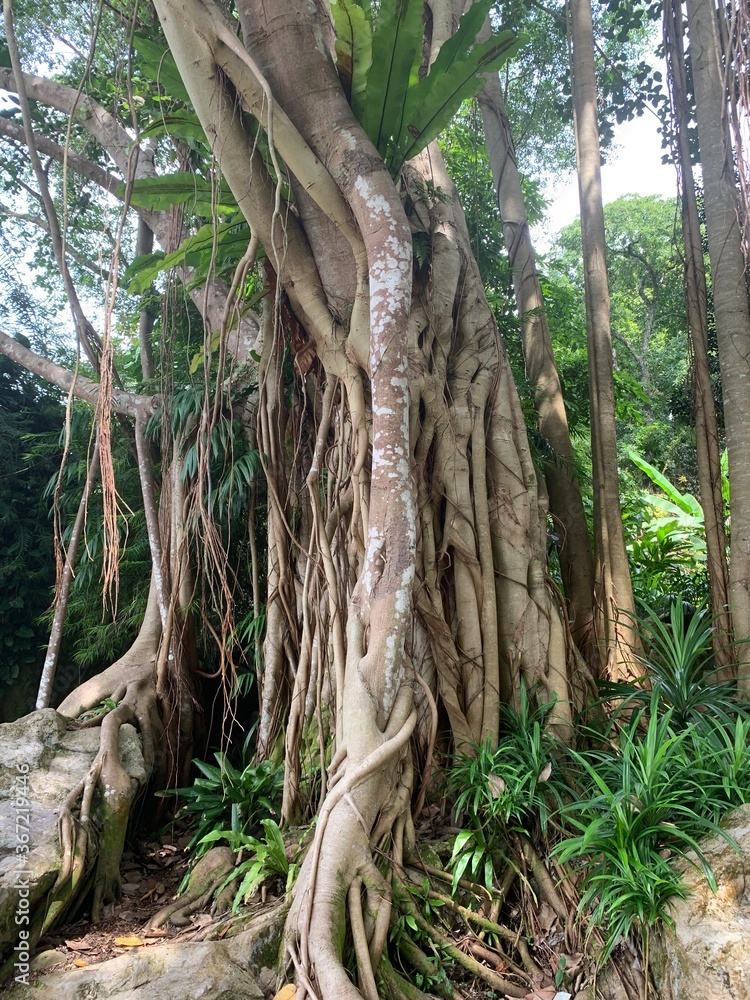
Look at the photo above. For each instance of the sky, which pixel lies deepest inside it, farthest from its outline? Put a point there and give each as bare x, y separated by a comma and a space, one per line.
634, 167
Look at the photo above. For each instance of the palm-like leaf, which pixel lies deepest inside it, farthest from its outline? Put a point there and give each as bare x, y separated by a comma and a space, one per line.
401, 113
396, 56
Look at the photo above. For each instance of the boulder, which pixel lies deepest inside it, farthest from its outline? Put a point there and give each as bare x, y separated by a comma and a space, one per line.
708, 953
168, 971
41, 761
230, 969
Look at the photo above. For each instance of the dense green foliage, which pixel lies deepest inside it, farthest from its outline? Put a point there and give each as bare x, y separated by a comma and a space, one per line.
630, 801
31, 416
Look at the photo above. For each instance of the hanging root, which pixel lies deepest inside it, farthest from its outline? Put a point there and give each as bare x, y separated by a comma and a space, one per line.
205, 880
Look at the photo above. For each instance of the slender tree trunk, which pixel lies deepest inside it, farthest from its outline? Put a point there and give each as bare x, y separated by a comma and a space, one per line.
566, 505
144, 245
63, 587
696, 299
613, 589
731, 306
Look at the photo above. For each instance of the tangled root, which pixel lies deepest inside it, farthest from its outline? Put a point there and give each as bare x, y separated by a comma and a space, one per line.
135, 701
205, 880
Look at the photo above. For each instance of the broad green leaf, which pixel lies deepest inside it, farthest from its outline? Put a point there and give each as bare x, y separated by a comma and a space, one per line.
198, 251
687, 503
687, 515
180, 188
396, 56
181, 124
158, 64
353, 49
434, 101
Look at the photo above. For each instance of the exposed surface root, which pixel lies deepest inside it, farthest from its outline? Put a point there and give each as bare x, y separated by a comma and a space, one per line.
117, 790
205, 879
493, 979
129, 684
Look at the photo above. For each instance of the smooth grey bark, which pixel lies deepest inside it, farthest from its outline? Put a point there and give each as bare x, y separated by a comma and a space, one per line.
730, 298
696, 300
566, 505
614, 605
125, 403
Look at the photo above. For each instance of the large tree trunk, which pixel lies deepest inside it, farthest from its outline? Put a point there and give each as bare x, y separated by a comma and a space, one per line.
731, 307
566, 505
696, 299
432, 543
614, 605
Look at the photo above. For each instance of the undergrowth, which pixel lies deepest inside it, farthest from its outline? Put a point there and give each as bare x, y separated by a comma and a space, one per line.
613, 814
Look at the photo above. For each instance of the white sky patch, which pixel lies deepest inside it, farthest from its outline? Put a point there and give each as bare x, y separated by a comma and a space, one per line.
634, 167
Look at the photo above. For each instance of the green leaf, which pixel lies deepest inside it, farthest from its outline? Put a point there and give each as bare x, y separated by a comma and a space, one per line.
453, 77
686, 503
210, 244
158, 64
396, 56
180, 188
180, 124
353, 49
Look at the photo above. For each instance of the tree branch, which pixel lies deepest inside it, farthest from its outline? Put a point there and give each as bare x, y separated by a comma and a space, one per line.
85, 331
127, 404
97, 121
119, 145
35, 220
83, 166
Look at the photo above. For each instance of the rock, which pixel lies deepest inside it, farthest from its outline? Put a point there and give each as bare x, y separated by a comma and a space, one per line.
40, 762
47, 960
214, 970
708, 953
168, 971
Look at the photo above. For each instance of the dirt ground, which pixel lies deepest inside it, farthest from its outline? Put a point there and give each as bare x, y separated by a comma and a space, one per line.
151, 872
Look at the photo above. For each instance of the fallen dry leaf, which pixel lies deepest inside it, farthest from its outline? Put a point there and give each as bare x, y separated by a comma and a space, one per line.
497, 785
547, 917
129, 941
78, 946
286, 992
80, 964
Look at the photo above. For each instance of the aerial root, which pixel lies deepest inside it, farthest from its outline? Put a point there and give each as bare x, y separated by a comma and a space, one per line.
365, 974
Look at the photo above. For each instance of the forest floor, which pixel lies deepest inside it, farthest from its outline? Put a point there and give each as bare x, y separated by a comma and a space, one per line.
151, 871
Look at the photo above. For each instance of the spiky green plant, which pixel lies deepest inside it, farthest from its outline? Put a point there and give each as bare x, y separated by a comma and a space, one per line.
639, 807
678, 666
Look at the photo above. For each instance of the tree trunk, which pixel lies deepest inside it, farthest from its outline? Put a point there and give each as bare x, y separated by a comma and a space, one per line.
731, 307
614, 605
696, 300
432, 548
566, 505
63, 585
